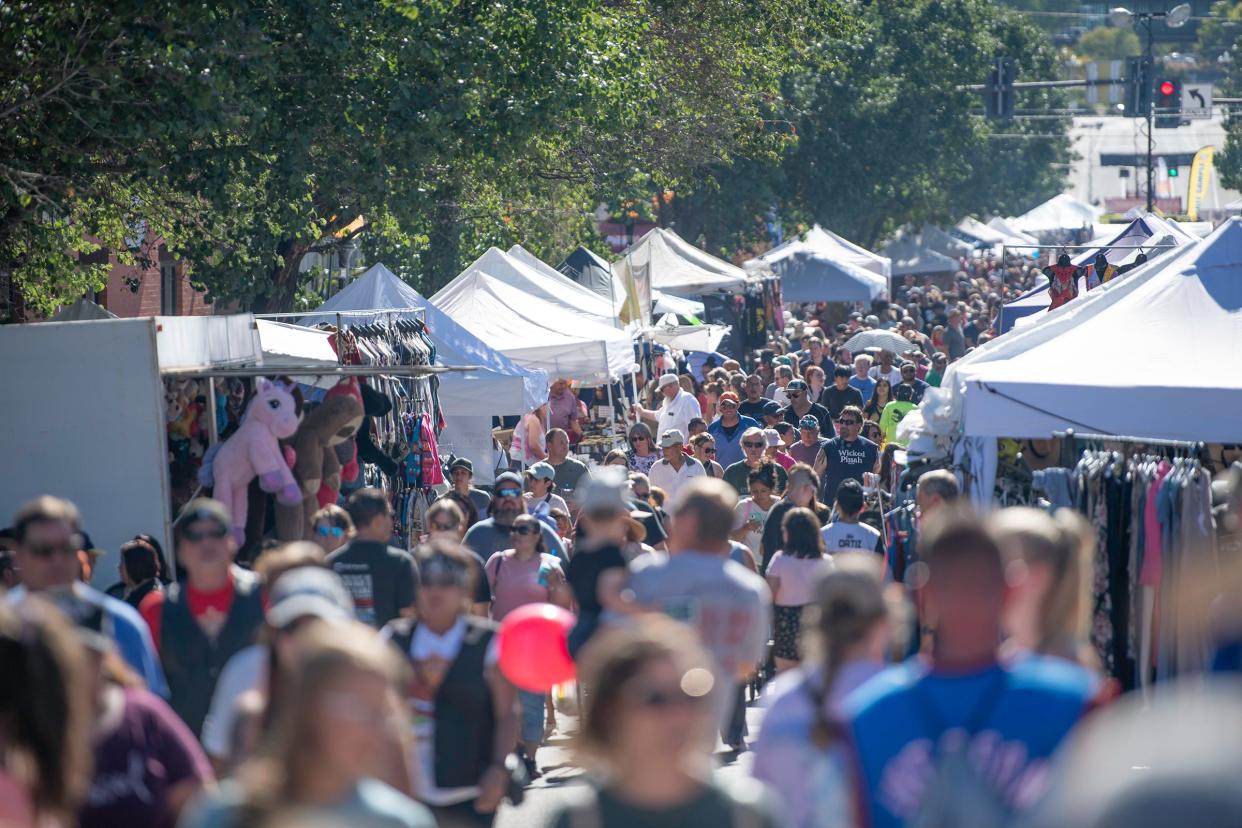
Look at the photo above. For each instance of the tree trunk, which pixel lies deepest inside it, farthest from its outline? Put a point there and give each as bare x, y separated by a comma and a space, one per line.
278, 298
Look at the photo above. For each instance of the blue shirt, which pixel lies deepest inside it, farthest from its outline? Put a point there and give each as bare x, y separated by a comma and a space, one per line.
1014, 718
865, 386
129, 631
729, 450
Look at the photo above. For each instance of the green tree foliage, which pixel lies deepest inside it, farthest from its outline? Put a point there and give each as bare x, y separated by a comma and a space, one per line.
1108, 43
1221, 35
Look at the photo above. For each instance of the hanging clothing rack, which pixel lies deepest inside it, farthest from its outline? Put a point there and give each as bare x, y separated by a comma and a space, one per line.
1071, 434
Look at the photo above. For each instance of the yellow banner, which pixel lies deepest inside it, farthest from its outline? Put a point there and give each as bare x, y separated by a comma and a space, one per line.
1200, 181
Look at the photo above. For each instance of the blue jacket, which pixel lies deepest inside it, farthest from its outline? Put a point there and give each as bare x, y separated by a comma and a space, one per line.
729, 451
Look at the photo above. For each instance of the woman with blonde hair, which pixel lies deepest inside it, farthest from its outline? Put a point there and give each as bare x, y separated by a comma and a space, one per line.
648, 733
1048, 568
800, 752
330, 742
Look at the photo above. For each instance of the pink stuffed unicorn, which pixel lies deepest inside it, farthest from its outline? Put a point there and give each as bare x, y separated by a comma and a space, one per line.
254, 451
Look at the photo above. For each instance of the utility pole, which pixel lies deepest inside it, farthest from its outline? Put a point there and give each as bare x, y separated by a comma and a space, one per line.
1150, 114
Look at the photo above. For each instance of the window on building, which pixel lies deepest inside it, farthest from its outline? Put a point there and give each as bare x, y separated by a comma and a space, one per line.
168, 288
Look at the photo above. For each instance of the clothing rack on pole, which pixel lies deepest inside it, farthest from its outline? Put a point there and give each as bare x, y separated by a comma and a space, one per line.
1189, 445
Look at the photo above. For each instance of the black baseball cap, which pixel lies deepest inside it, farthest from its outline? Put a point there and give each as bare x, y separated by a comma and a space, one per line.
203, 509
461, 463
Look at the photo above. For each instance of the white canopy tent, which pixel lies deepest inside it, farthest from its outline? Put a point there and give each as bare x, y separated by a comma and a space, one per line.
843, 250
667, 263
1126, 359
981, 233
82, 310
524, 271
933, 238
911, 258
501, 385
1013, 236
535, 333
663, 303
819, 273
1061, 212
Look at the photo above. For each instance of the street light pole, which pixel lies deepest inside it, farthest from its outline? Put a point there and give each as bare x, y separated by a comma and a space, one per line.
1151, 108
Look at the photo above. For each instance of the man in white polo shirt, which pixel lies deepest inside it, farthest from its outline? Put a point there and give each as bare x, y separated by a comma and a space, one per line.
676, 410
676, 469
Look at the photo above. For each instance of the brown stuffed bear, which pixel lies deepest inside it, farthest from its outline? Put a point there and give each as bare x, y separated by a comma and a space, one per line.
333, 421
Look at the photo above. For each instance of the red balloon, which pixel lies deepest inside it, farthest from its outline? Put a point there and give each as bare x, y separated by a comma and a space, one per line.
534, 647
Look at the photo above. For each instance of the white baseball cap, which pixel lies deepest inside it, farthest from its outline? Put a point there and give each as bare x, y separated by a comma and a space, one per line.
666, 379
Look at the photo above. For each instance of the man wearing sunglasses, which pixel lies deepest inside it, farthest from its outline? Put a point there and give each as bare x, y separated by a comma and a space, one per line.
849, 455
46, 540
199, 623
754, 446
487, 537
800, 405
727, 429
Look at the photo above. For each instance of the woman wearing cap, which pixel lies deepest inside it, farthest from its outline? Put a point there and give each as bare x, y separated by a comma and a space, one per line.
801, 752
465, 710
540, 497
642, 454
527, 574
649, 732
329, 744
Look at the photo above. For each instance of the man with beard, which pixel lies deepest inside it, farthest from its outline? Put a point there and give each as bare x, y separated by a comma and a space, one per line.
490, 536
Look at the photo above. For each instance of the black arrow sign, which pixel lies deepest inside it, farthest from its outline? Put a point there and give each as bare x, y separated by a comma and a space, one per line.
1198, 96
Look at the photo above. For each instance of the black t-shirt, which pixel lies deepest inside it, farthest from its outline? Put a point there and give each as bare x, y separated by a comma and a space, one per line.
753, 409
652, 521
847, 461
381, 579
817, 411
836, 399
583, 573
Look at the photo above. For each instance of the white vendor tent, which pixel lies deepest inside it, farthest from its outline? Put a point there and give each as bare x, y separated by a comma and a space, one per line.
811, 274
1013, 235
535, 333
1059, 213
499, 384
553, 286
980, 233
665, 262
911, 258
1126, 359
843, 250
933, 238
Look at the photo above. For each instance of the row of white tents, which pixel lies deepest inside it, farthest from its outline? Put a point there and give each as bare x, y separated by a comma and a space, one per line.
1150, 355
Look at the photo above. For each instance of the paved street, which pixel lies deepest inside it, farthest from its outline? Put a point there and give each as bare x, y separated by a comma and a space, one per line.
560, 773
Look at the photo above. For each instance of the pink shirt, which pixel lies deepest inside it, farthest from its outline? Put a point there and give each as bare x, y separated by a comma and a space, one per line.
515, 583
784, 460
799, 577
562, 409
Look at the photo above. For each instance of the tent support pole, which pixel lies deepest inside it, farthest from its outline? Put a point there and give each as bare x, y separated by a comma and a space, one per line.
213, 433
612, 419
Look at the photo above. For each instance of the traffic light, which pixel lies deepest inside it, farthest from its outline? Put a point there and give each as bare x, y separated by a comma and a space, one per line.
998, 97
1168, 103
1138, 87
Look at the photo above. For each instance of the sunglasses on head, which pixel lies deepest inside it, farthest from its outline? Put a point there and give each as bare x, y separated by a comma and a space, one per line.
196, 535
525, 529
329, 531
749, 444
507, 492
727, 404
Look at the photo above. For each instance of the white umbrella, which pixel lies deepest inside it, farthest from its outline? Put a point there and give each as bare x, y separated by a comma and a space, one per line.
884, 340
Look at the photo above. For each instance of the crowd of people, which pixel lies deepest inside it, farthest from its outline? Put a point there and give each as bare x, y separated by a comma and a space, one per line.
732, 549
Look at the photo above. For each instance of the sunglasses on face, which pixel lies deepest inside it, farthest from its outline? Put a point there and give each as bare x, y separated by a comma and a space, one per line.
196, 535
329, 531
709, 450
749, 444
638, 437
440, 526
525, 529
728, 404
508, 492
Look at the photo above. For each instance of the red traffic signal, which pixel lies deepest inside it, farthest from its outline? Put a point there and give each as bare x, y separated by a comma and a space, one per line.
1167, 88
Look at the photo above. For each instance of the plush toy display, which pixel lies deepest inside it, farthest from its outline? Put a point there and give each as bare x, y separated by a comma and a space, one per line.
317, 468
254, 451
346, 449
